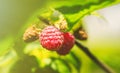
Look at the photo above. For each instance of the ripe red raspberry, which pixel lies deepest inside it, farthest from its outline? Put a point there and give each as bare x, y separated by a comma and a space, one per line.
68, 43
51, 38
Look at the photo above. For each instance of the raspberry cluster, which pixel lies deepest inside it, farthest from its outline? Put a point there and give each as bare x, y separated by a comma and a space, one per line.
53, 39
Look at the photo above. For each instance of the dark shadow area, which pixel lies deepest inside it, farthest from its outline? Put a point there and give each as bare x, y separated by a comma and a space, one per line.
29, 64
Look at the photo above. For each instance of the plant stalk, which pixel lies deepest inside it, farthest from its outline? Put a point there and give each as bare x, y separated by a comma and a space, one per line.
92, 57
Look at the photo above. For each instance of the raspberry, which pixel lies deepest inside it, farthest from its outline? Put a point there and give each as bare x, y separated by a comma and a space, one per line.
51, 38
68, 43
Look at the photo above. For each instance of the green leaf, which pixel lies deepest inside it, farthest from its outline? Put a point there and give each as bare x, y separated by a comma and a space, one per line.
31, 47
62, 66
74, 60
74, 12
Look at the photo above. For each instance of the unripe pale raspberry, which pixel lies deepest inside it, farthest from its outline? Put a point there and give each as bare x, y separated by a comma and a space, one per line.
31, 34
51, 38
68, 43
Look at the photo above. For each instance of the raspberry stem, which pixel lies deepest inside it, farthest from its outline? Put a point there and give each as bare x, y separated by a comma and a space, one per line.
44, 20
86, 50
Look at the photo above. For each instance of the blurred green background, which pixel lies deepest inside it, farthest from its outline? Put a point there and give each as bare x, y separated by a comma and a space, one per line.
102, 27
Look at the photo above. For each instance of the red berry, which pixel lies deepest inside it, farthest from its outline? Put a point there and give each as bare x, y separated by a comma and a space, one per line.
68, 43
51, 38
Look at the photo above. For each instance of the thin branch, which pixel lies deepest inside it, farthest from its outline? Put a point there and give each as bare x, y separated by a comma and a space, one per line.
92, 57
